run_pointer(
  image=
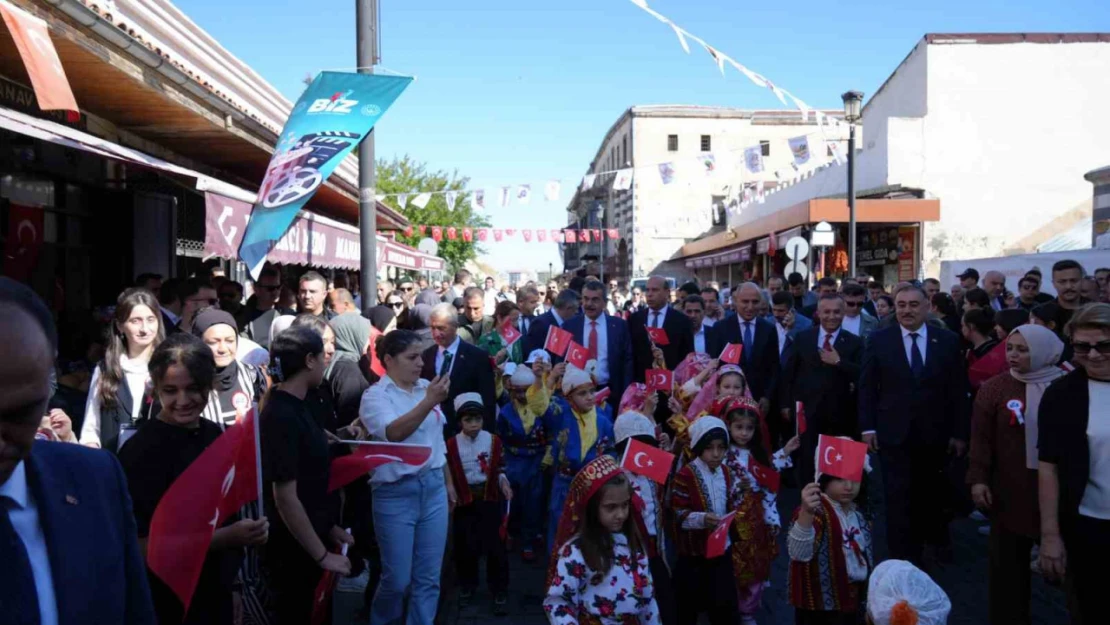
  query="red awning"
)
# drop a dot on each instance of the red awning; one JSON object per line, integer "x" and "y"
{"x": 311, "y": 240}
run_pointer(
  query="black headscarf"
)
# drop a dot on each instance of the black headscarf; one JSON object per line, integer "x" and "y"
{"x": 224, "y": 383}
{"x": 380, "y": 316}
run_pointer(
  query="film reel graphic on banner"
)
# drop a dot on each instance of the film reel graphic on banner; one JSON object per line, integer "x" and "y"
{"x": 296, "y": 173}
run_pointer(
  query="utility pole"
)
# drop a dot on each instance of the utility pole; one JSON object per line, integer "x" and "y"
{"x": 366, "y": 38}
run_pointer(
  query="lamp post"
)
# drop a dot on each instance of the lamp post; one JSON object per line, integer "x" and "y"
{"x": 852, "y": 102}
{"x": 599, "y": 214}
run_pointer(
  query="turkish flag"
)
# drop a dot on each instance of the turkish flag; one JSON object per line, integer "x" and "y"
{"x": 497, "y": 234}
{"x": 577, "y": 355}
{"x": 800, "y": 415}
{"x": 558, "y": 340}
{"x": 322, "y": 598}
{"x": 483, "y": 234}
{"x": 584, "y": 236}
{"x": 437, "y": 233}
{"x": 569, "y": 235}
{"x": 841, "y": 457}
{"x": 541, "y": 235}
{"x": 510, "y": 232}
{"x": 423, "y": 230}
{"x": 527, "y": 234}
{"x": 32, "y": 39}
{"x": 602, "y": 396}
{"x": 614, "y": 233}
{"x": 731, "y": 353}
{"x": 21, "y": 252}
{"x": 767, "y": 477}
{"x": 658, "y": 336}
{"x": 715, "y": 547}
{"x": 371, "y": 455}
{"x": 216, "y": 485}
{"x": 509, "y": 334}
{"x": 408, "y": 231}
{"x": 659, "y": 380}
{"x": 452, "y": 233}
{"x": 597, "y": 235}
{"x": 650, "y": 462}
{"x": 467, "y": 235}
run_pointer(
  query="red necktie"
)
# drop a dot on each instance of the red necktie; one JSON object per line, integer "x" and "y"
{"x": 828, "y": 342}
{"x": 593, "y": 340}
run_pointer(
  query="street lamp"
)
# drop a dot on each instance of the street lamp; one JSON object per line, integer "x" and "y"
{"x": 852, "y": 102}
{"x": 599, "y": 214}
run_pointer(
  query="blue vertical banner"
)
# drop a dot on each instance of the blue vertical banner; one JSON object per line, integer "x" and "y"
{"x": 331, "y": 117}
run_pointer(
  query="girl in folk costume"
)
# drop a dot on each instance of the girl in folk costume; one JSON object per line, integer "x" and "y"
{"x": 753, "y": 496}
{"x": 830, "y": 553}
{"x": 699, "y": 500}
{"x": 600, "y": 573}
{"x": 579, "y": 432}
{"x": 475, "y": 461}
{"x": 723, "y": 383}
{"x": 649, "y": 514}
{"x": 522, "y": 427}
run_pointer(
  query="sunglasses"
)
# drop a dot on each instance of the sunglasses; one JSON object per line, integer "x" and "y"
{"x": 1102, "y": 347}
{"x": 397, "y": 304}
{"x": 853, "y": 304}
{"x": 406, "y": 289}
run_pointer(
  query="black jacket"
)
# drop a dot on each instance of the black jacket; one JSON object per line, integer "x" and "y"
{"x": 762, "y": 366}
{"x": 1062, "y": 440}
{"x": 680, "y": 337}
{"x": 471, "y": 372}
{"x": 828, "y": 392}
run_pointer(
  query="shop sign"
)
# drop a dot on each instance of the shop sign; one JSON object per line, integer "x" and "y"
{"x": 878, "y": 247}
{"x": 907, "y": 238}
{"x": 19, "y": 98}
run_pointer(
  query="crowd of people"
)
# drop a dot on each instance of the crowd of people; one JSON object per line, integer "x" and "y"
{"x": 975, "y": 397}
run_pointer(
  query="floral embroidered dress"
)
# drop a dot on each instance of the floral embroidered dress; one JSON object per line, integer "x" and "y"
{"x": 578, "y": 595}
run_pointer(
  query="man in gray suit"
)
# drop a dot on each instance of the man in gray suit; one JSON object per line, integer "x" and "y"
{"x": 856, "y": 319}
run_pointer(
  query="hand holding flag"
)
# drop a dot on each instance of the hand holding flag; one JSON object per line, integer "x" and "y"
{"x": 841, "y": 457}
{"x": 717, "y": 540}
{"x": 650, "y": 462}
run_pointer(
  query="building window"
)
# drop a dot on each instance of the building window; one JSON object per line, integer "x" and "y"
{"x": 672, "y": 143}
{"x": 765, "y": 148}
{"x": 624, "y": 149}
{"x": 706, "y": 143}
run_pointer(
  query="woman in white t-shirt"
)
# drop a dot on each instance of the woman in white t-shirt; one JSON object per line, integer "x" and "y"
{"x": 120, "y": 393}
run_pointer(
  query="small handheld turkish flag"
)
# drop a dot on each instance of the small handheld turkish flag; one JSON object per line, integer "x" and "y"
{"x": 731, "y": 353}
{"x": 558, "y": 340}
{"x": 509, "y": 333}
{"x": 650, "y": 462}
{"x": 841, "y": 457}
{"x": 602, "y": 396}
{"x": 800, "y": 415}
{"x": 369, "y": 455}
{"x": 658, "y": 336}
{"x": 717, "y": 540}
{"x": 659, "y": 380}
{"x": 577, "y": 355}
{"x": 767, "y": 477}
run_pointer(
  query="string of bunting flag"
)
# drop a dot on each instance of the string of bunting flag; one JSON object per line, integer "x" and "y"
{"x": 497, "y": 235}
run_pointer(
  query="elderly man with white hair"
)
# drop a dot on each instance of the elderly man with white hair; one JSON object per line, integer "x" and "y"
{"x": 759, "y": 357}
{"x": 467, "y": 366}
{"x": 994, "y": 283}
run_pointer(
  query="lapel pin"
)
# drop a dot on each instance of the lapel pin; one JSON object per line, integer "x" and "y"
{"x": 71, "y": 500}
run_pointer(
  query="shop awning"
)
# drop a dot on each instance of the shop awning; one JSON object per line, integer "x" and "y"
{"x": 734, "y": 255}
{"x": 312, "y": 240}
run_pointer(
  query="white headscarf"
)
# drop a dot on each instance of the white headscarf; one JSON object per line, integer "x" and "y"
{"x": 631, "y": 424}
{"x": 703, "y": 426}
{"x": 898, "y": 586}
{"x": 1045, "y": 349}
{"x": 575, "y": 378}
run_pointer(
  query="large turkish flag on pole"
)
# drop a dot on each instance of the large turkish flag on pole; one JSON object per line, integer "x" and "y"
{"x": 32, "y": 39}
{"x": 216, "y": 485}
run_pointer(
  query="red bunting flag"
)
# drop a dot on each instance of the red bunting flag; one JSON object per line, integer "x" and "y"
{"x": 658, "y": 336}
{"x": 717, "y": 540}
{"x": 408, "y": 231}
{"x": 569, "y": 235}
{"x": 577, "y": 355}
{"x": 483, "y": 234}
{"x": 527, "y": 234}
{"x": 452, "y": 233}
{"x": 437, "y": 233}
{"x": 650, "y": 462}
{"x": 423, "y": 230}
{"x": 659, "y": 380}
{"x": 800, "y": 412}
{"x": 541, "y": 235}
{"x": 509, "y": 333}
{"x": 841, "y": 457}
{"x": 497, "y": 234}
{"x": 371, "y": 455}
{"x": 558, "y": 340}
{"x": 510, "y": 232}
{"x": 765, "y": 476}
{"x": 216, "y": 485}
{"x": 597, "y": 235}
{"x": 467, "y": 235}
{"x": 731, "y": 353}
{"x": 557, "y": 236}
{"x": 614, "y": 233}
{"x": 584, "y": 236}
{"x": 602, "y": 396}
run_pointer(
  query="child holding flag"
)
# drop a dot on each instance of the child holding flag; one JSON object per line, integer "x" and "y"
{"x": 477, "y": 467}
{"x": 830, "y": 543}
{"x": 699, "y": 500}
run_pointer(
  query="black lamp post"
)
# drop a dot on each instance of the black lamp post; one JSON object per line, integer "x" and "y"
{"x": 852, "y": 102}
{"x": 599, "y": 214}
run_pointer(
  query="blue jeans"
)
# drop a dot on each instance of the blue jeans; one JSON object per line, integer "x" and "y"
{"x": 410, "y": 519}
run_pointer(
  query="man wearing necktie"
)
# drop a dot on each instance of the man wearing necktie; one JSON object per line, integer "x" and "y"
{"x": 606, "y": 338}
{"x": 759, "y": 358}
{"x": 467, "y": 366}
{"x": 528, "y": 298}
{"x": 914, "y": 410}
{"x": 659, "y": 314}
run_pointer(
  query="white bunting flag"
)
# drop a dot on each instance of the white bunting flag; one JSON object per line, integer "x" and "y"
{"x": 759, "y": 192}
{"x": 403, "y": 200}
{"x": 820, "y": 119}
{"x": 623, "y": 181}
{"x": 681, "y": 38}
{"x": 666, "y": 172}
{"x": 779, "y": 93}
{"x": 835, "y": 147}
{"x": 717, "y": 57}
{"x": 421, "y": 200}
{"x": 799, "y": 147}
{"x": 379, "y": 198}
{"x": 451, "y": 197}
{"x": 588, "y": 181}
{"x": 802, "y": 106}
{"x": 524, "y": 194}
{"x": 759, "y": 81}
{"x": 480, "y": 199}
{"x": 551, "y": 190}
{"x": 753, "y": 159}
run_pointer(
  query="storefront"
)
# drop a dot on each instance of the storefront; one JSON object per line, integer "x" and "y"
{"x": 729, "y": 266}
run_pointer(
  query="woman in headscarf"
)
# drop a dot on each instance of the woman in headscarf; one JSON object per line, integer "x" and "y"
{"x": 237, "y": 385}
{"x": 344, "y": 375}
{"x": 1003, "y": 464}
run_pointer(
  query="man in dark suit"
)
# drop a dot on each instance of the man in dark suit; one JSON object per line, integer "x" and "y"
{"x": 659, "y": 314}
{"x": 822, "y": 371}
{"x": 65, "y": 513}
{"x": 607, "y": 339}
{"x": 528, "y": 299}
{"x": 566, "y": 308}
{"x": 913, "y": 410}
{"x": 467, "y": 365}
{"x": 759, "y": 358}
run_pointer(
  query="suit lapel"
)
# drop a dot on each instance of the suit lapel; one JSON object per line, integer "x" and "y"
{"x": 57, "y": 508}
{"x": 458, "y": 365}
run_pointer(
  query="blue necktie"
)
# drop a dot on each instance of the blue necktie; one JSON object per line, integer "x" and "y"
{"x": 917, "y": 363}
{"x": 19, "y": 603}
{"x": 747, "y": 355}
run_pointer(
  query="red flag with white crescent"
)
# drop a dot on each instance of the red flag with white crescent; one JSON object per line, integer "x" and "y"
{"x": 731, "y": 353}
{"x": 650, "y": 462}
{"x": 719, "y": 538}
{"x": 541, "y": 235}
{"x": 766, "y": 476}
{"x": 558, "y": 340}
{"x": 483, "y": 234}
{"x": 841, "y": 457}
{"x": 658, "y": 336}
{"x": 527, "y": 234}
{"x": 659, "y": 380}
{"x": 577, "y": 355}
{"x": 370, "y": 455}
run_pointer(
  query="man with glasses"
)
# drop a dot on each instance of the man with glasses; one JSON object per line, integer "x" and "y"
{"x": 856, "y": 320}
{"x": 255, "y": 321}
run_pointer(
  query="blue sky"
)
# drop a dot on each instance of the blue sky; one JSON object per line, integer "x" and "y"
{"x": 511, "y": 92}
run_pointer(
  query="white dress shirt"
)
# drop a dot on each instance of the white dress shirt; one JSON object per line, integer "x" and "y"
{"x": 644, "y": 488}
{"x": 453, "y": 350}
{"x": 778, "y": 328}
{"x": 821, "y": 337}
{"x": 602, "y": 345}
{"x": 699, "y": 340}
{"x": 852, "y": 324}
{"x": 922, "y": 341}
{"x": 383, "y": 404}
{"x": 716, "y": 498}
{"x": 136, "y": 375}
{"x": 651, "y": 317}
{"x": 16, "y": 501}
{"x": 471, "y": 452}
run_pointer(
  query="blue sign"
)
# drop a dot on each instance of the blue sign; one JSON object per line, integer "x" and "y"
{"x": 331, "y": 117}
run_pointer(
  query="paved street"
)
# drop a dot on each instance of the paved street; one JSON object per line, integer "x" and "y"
{"x": 965, "y": 581}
